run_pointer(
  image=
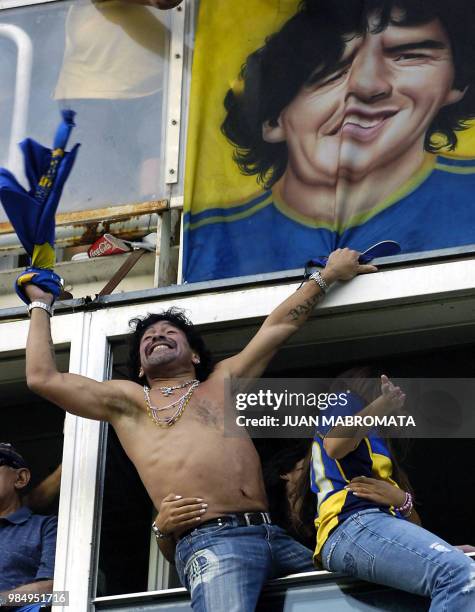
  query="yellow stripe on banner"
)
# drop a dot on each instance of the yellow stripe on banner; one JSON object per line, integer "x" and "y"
{"x": 224, "y": 39}
{"x": 44, "y": 256}
{"x": 408, "y": 187}
{"x": 226, "y": 218}
{"x": 455, "y": 169}
{"x": 289, "y": 212}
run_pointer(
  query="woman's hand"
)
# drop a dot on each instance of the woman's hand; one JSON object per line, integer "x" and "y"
{"x": 393, "y": 396}
{"x": 177, "y": 513}
{"x": 378, "y": 491}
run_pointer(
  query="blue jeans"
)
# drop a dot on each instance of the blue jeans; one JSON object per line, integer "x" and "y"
{"x": 375, "y": 546}
{"x": 225, "y": 567}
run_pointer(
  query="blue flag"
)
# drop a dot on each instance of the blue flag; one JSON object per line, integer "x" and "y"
{"x": 32, "y": 213}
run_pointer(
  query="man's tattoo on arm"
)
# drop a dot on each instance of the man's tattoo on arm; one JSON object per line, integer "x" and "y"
{"x": 305, "y": 308}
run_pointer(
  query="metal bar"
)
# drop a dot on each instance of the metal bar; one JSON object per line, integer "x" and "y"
{"x": 410, "y": 282}
{"x": 176, "y": 198}
{"x": 22, "y": 92}
{"x": 164, "y": 274}
{"x": 316, "y": 577}
{"x": 175, "y": 83}
{"x": 81, "y": 461}
{"x": 96, "y": 215}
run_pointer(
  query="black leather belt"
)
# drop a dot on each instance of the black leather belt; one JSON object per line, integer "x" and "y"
{"x": 238, "y": 519}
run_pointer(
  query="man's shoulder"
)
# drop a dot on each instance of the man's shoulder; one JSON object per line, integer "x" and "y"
{"x": 122, "y": 384}
{"x": 126, "y": 395}
{"x": 47, "y": 521}
{"x": 37, "y": 523}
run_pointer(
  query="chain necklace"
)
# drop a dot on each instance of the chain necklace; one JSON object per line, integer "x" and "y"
{"x": 167, "y": 391}
{"x": 168, "y": 421}
{"x": 147, "y": 390}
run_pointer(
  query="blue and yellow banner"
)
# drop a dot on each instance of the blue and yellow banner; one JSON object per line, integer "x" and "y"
{"x": 32, "y": 212}
{"x": 316, "y": 125}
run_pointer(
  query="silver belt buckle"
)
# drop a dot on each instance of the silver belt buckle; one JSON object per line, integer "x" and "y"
{"x": 264, "y": 515}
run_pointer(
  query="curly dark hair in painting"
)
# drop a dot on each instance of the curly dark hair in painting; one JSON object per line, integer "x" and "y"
{"x": 177, "y": 318}
{"x": 310, "y": 45}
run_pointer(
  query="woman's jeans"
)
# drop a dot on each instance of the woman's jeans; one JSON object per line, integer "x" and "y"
{"x": 225, "y": 567}
{"x": 375, "y": 546}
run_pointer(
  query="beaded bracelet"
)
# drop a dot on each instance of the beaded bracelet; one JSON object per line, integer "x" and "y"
{"x": 407, "y": 506}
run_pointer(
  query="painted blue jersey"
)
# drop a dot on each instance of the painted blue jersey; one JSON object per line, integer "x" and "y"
{"x": 434, "y": 212}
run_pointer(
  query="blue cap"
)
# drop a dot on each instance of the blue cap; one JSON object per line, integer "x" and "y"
{"x": 10, "y": 456}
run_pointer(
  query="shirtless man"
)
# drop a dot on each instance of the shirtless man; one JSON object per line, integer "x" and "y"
{"x": 225, "y": 561}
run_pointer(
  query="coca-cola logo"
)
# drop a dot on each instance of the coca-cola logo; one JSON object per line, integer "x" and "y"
{"x": 101, "y": 247}
{"x": 106, "y": 246}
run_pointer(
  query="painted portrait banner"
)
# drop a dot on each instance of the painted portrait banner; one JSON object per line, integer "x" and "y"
{"x": 325, "y": 124}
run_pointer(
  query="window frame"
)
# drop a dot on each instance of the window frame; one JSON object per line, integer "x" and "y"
{"x": 399, "y": 300}
{"x": 176, "y": 93}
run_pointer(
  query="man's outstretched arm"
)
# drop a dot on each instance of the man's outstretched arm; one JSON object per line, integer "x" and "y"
{"x": 76, "y": 394}
{"x": 289, "y": 316}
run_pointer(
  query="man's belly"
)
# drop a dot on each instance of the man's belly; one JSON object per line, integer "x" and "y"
{"x": 226, "y": 476}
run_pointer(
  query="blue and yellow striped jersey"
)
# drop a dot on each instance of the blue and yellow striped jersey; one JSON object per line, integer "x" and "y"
{"x": 435, "y": 209}
{"x": 329, "y": 477}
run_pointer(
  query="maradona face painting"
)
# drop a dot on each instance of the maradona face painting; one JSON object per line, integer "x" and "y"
{"x": 350, "y": 123}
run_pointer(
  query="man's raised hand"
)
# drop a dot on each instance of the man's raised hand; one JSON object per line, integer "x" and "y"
{"x": 343, "y": 265}
{"x": 36, "y": 294}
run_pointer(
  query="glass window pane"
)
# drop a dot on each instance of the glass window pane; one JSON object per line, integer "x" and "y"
{"x": 108, "y": 61}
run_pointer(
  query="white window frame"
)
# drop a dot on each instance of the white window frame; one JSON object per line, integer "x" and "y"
{"x": 176, "y": 89}
{"x": 404, "y": 300}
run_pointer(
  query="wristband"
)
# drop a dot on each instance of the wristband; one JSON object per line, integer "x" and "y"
{"x": 159, "y": 534}
{"x": 49, "y": 309}
{"x": 318, "y": 278}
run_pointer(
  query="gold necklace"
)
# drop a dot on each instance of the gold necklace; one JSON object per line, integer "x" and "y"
{"x": 169, "y": 421}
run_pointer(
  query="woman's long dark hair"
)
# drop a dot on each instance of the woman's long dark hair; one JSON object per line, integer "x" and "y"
{"x": 298, "y": 521}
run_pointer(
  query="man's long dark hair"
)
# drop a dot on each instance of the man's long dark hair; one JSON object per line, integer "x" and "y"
{"x": 178, "y": 319}
{"x": 309, "y": 45}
